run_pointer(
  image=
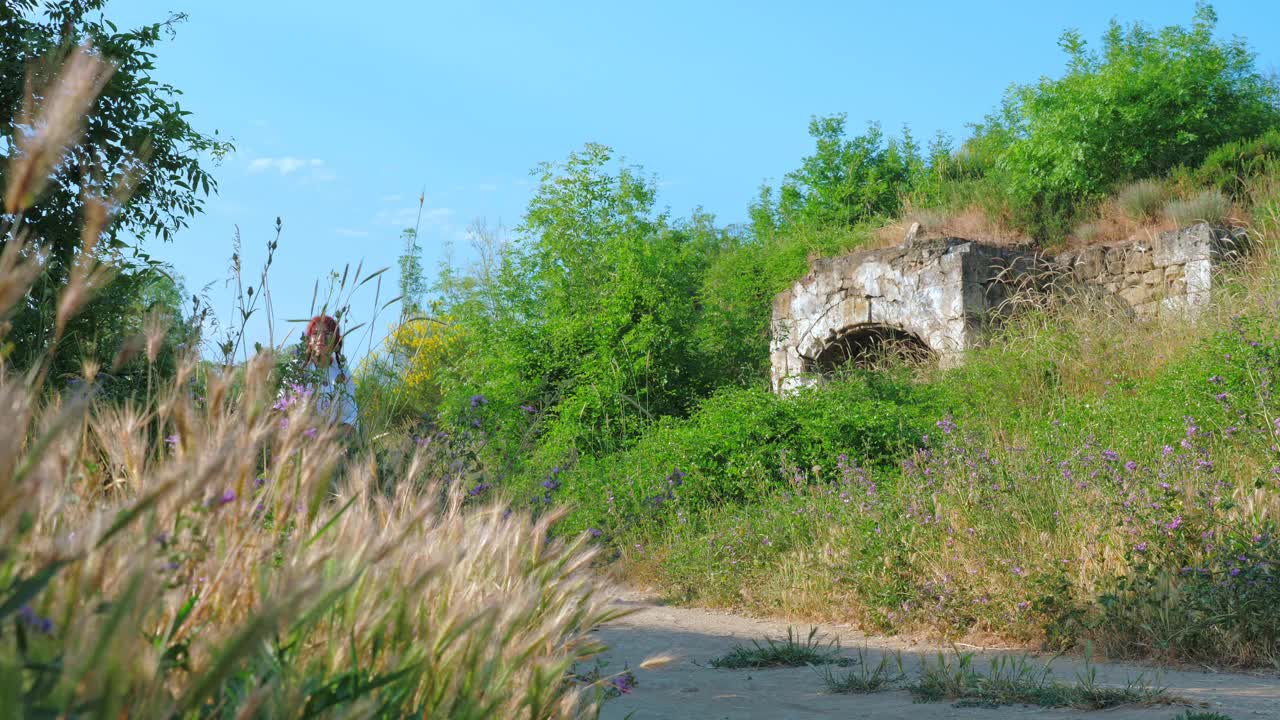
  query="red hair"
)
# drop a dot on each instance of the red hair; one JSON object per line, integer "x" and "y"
{"x": 328, "y": 326}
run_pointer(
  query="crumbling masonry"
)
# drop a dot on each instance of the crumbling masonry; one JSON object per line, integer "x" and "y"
{"x": 936, "y": 297}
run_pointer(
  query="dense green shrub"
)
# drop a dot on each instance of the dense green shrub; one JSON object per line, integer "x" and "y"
{"x": 847, "y": 181}
{"x": 1230, "y": 166}
{"x": 741, "y": 446}
{"x": 588, "y": 317}
{"x": 1146, "y": 102}
{"x": 737, "y": 291}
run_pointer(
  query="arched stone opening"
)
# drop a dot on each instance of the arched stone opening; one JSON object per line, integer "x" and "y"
{"x": 863, "y": 346}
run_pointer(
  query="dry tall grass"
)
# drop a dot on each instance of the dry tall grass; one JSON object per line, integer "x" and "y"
{"x": 215, "y": 552}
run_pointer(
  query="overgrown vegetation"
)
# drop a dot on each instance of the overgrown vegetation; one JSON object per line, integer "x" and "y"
{"x": 209, "y": 550}
{"x": 137, "y": 140}
{"x": 599, "y": 378}
{"x": 1085, "y": 477}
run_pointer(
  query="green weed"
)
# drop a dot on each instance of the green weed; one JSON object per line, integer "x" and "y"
{"x": 1019, "y": 681}
{"x": 792, "y": 652}
{"x": 864, "y": 678}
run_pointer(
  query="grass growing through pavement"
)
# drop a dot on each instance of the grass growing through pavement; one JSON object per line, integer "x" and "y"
{"x": 864, "y": 678}
{"x": 1007, "y": 681}
{"x": 1193, "y": 715}
{"x": 1018, "y": 681}
{"x": 792, "y": 652}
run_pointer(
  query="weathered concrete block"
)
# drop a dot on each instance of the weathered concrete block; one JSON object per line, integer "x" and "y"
{"x": 1179, "y": 247}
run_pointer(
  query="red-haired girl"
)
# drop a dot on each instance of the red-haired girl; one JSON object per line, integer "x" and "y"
{"x": 335, "y": 393}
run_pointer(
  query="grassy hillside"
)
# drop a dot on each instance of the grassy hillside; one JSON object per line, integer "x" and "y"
{"x": 1085, "y": 476}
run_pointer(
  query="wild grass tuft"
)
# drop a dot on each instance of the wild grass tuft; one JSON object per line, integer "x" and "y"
{"x": 1087, "y": 232}
{"x": 1142, "y": 200}
{"x": 1019, "y": 681}
{"x": 1209, "y": 206}
{"x": 864, "y": 678}
{"x": 792, "y": 652}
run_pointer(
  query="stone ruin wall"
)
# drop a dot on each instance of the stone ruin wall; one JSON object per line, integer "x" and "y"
{"x": 1172, "y": 273}
{"x": 943, "y": 293}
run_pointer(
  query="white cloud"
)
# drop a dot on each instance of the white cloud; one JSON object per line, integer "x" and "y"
{"x": 315, "y": 169}
{"x": 282, "y": 165}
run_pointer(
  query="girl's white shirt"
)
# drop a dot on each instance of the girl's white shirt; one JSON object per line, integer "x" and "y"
{"x": 336, "y": 396}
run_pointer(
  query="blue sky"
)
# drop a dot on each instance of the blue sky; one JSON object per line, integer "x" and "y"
{"x": 343, "y": 113}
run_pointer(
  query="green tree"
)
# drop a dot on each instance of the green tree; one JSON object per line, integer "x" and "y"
{"x": 1144, "y": 103}
{"x": 137, "y": 127}
{"x": 589, "y": 315}
{"x": 846, "y": 180}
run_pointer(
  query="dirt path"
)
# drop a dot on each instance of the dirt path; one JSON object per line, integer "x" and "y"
{"x": 688, "y": 688}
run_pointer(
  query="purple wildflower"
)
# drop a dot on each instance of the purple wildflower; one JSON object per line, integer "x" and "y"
{"x": 310, "y": 432}
{"x": 172, "y": 440}
{"x": 624, "y": 683}
{"x": 593, "y": 532}
{"x": 477, "y": 401}
{"x": 1140, "y": 547}
{"x": 35, "y": 621}
{"x": 1131, "y": 466}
